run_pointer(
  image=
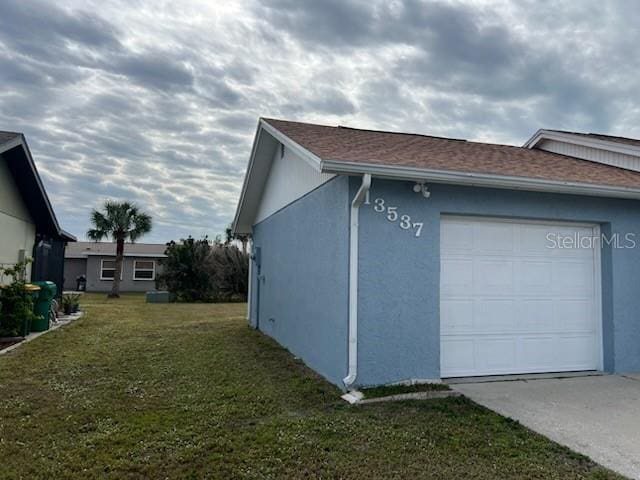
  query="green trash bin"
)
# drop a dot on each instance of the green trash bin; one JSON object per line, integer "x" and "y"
{"x": 42, "y": 305}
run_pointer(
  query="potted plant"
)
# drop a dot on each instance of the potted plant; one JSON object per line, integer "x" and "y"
{"x": 70, "y": 303}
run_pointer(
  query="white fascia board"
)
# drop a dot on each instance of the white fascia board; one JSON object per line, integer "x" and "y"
{"x": 302, "y": 152}
{"x": 479, "y": 179}
{"x": 597, "y": 143}
{"x": 243, "y": 192}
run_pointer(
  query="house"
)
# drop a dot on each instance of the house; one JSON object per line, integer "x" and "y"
{"x": 28, "y": 225}
{"x": 96, "y": 262}
{"x": 382, "y": 257}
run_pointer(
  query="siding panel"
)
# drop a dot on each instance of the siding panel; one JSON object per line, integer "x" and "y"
{"x": 593, "y": 154}
{"x": 290, "y": 178}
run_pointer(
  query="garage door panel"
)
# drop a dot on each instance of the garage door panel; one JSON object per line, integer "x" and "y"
{"x": 457, "y": 237}
{"x": 493, "y": 238}
{"x": 457, "y": 315}
{"x": 457, "y": 355}
{"x": 496, "y": 353}
{"x": 572, "y": 278}
{"x": 511, "y": 304}
{"x": 538, "y": 352}
{"x": 456, "y": 276}
{"x": 533, "y": 277}
{"x": 576, "y": 351}
{"x": 536, "y": 316}
{"x": 492, "y": 276}
{"x": 575, "y": 315}
{"x": 494, "y": 315}
{"x": 533, "y": 240}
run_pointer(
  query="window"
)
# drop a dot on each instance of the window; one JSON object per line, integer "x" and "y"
{"x": 108, "y": 270}
{"x": 144, "y": 270}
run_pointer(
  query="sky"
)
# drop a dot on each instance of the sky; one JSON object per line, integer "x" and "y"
{"x": 157, "y": 102}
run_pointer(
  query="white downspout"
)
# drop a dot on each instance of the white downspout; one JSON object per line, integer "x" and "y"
{"x": 353, "y": 280}
{"x": 249, "y": 288}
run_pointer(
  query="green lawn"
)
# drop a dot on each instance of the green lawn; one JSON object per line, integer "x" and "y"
{"x": 189, "y": 391}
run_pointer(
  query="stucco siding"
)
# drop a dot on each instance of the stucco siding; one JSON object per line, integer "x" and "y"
{"x": 127, "y": 284}
{"x": 399, "y": 294}
{"x": 300, "y": 290}
{"x": 17, "y": 230}
{"x": 73, "y": 268}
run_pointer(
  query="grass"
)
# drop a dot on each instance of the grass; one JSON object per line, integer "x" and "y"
{"x": 135, "y": 390}
{"x": 388, "y": 390}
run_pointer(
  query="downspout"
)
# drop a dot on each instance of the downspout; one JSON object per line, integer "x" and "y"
{"x": 250, "y": 281}
{"x": 352, "y": 346}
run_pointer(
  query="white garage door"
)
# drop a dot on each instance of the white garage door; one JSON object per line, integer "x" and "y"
{"x": 511, "y": 303}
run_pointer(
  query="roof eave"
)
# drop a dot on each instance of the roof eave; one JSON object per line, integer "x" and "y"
{"x": 478, "y": 179}
{"x": 265, "y": 127}
{"x": 20, "y": 141}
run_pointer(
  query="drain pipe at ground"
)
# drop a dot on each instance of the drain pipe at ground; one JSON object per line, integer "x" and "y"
{"x": 352, "y": 346}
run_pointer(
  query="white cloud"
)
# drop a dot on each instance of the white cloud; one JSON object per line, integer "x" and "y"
{"x": 157, "y": 102}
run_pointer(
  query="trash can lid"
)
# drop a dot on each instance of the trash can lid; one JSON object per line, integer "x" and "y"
{"x": 30, "y": 287}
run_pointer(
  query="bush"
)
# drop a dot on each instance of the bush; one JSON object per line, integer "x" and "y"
{"x": 16, "y": 304}
{"x": 199, "y": 271}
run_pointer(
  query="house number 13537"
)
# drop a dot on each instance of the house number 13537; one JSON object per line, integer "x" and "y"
{"x": 404, "y": 221}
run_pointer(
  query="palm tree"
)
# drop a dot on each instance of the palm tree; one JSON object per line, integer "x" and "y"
{"x": 122, "y": 221}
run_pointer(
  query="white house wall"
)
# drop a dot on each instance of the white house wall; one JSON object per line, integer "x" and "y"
{"x": 616, "y": 159}
{"x": 17, "y": 230}
{"x": 290, "y": 178}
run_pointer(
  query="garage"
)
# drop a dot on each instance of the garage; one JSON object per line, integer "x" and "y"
{"x": 518, "y": 297}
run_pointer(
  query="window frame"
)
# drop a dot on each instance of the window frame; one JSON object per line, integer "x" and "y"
{"x": 152, "y": 270}
{"x": 102, "y": 277}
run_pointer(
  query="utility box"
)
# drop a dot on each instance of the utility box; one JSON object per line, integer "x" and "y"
{"x": 158, "y": 297}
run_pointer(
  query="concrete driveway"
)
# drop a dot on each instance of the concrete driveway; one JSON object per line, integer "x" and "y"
{"x": 598, "y": 416}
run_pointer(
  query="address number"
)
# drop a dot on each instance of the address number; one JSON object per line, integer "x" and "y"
{"x": 391, "y": 214}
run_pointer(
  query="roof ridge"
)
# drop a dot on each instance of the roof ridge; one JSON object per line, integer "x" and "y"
{"x": 343, "y": 127}
{"x": 402, "y": 133}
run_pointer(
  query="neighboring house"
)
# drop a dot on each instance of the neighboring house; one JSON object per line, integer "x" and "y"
{"x": 96, "y": 261}
{"x": 384, "y": 257}
{"x": 28, "y": 226}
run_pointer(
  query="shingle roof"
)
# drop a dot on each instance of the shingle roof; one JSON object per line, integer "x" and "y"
{"x": 84, "y": 249}
{"x": 436, "y": 153}
{"x": 6, "y": 136}
{"x": 601, "y": 136}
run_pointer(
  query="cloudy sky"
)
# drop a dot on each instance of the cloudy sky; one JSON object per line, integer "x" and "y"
{"x": 157, "y": 102}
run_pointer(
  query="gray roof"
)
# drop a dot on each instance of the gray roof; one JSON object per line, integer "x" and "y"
{"x": 602, "y": 136}
{"x": 7, "y": 136}
{"x": 86, "y": 249}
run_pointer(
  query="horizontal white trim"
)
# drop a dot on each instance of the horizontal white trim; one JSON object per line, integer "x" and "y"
{"x": 478, "y": 179}
{"x": 598, "y": 143}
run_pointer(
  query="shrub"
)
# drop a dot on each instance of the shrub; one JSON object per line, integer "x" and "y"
{"x": 199, "y": 271}
{"x": 187, "y": 270}
{"x": 16, "y": 304}
{"x": 230, "y": 270}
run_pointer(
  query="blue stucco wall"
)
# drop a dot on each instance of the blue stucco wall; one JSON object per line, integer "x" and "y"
{"x": 301, "y": 297}
{"x": 399, "y": 274}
